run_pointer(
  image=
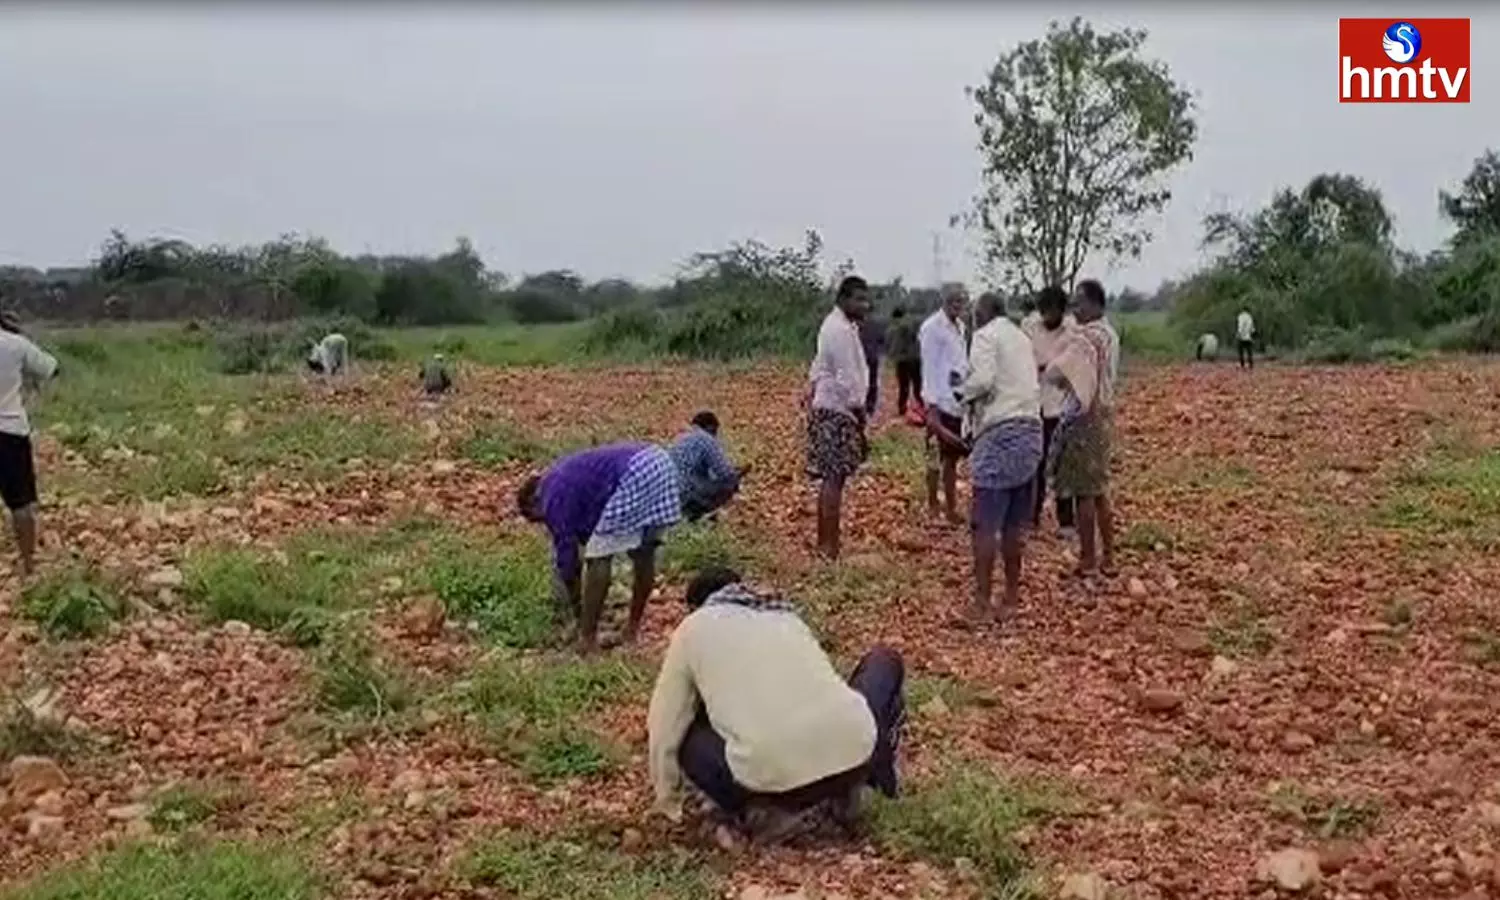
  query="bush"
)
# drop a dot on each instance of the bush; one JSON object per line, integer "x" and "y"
{"x": 250, "y": 350}
{"x": 633, "y": 326}
{"x": 77, "y": 602}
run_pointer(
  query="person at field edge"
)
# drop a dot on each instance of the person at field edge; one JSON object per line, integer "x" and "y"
{"x": 750, "y": 709}
{"x": 709, "y": 479}
{"x": 330, "y": 355}
{"x": 603, "y": 502}
{"x": 945, "y": 360}
{"x": 872, "y": 336}
{"x": 1005, "y": 402}
{"x": 906, "y": 357}
{"x": 837, "y": 391}
{"x": 1079, "y": 460}
{"x": 1208, "y": 347}
{"x": 1244, "y": 330}
{"x": 1048, "y": 328}
{"x": 435, "y": 377}
{"x": 22, "y": 364}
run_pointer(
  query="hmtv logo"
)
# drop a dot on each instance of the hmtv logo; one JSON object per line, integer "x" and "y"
{"x": 1404, "y": 61}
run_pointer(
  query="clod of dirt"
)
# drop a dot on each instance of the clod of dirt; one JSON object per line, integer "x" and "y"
{"x": 1084, "y": 886}
{"x": 935, "y": 708}
{"x": 425, "y": 616}
{"x": 1292, "y": 869}
{"x": 1296, "y": 742}
{"x": 165, "y": 577}
{"x": 50, "y": 804}
{"x": 31, "y": 776}
{"x": 1137, "y": 588}
{"x": 1222, "y": 667}
{"x": 631, "y": 840}
{"x": 1160, "y": 700}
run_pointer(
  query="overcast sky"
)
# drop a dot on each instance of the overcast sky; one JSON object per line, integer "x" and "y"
{"x": 618, "y": 140}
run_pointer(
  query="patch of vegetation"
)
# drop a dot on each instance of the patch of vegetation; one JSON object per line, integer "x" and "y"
{"x": 78, "y": 601}
{"x": 495, "y": 444}
{"x": 508, "y": 591}
{"x": 533, "y": 709}
{"x": 898, "y": 451}
{"x": 354, "y": 681}
{"x": 1449, "y": 496}
{"x": 698, "y": 545}
{"x": 1328, "y": 817}
{"x": 185, "y": 805}
{"x": 1483, "y": 646}
{"x": 1193, "y": 764}
{"x": 1148, "y": 536}
{"x": 293, "y": 596}
{"x": 923, "y": 689}
{"x": 967, "y": 812}
{"x": 217, "y": 871}
{"x": 531, "y": 868}
{"x": 1242, "y": 630}
{"x": 24, "y": 733}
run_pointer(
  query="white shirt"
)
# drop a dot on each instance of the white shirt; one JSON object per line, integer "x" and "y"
{"x": 943, "y": 354}
{"x": 20, "y": 360}
{"x": 1208, "y": 344}
{"x": 331, "y": 351}
{"x": 1044, "y": 345}
{"x": 1245, "y": 326}
{"x": 1002, "y": 380}
{"x": 1114, "y": 351}
{"x": 786, "y": 717}
{"x": 839, "y": 375}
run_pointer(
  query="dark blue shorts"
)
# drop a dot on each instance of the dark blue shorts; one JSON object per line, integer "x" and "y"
{"x": 1003, "y": 509}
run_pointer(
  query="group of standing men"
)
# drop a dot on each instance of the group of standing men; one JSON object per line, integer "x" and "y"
{"x": 1027, "y": 405}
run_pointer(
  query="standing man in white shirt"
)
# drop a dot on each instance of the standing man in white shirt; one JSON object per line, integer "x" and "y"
{"x": 1244, "y": 329}
{"x": 945, "y": 362}
{"x": 1005, "y": 394}
{"x": 21, "y": 362}
{"x": 1048, "y": 329}
{"x": 838, "y": 388}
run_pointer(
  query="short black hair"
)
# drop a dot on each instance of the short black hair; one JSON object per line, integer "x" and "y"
{"x": 989, "y": 301}
{"x": 1052, "y": 297}
{"x": 526, "y": 496}
{"x": 707, "y": 421}
{"x": 1093, "y": 290}
{"x": 899, "y": 312}
{"x": 707, "y": 582}
{"x": 851, "y": 284}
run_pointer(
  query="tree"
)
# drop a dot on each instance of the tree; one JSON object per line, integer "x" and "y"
{"x": 1078, "y": 133}
{"x": 1475, "y": 208}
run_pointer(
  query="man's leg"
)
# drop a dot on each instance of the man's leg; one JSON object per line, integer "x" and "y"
{"x": 1106, "y": 516}
{"x": 880, "y": 678}
{"x": 23, "y": 525}
{"x": 985, "y": 542}
{"x": 950, "y": 488}
{"x": 643, "y": 579}
{"x": 701, "y": 758}
{"x": 1013, "y": 543}
{"x": 872, "y": 394}
{"x": 903, "y": 387}
{"x": 1049, "y": 425}
{"x": 596, "y": 575}
{"x": 1088, "y": 559}
{"x": 830, "y": 508}
{"x": 932, "y": 452}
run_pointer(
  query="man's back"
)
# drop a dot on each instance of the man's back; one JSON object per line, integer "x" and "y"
{"x": 20, "y": 360}
{"x": 786, "y": 716}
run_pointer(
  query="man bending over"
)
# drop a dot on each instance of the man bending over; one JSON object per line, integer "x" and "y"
{"x": 709, "y": 479}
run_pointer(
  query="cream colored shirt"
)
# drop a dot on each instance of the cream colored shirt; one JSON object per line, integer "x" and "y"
{"x": 786, "y": 716}
{"x": 839, "y": 374}
{"x": 1002, "y": 382}
{"x": 1244, "y": 326}
{"x": 20, "y": 361}
{"x": 1044, "y": 345}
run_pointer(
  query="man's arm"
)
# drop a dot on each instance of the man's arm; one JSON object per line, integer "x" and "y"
{"x": 720, "y": 469}
{"x": 37, "y": 363}
{"x": 852, "y": 371}
{"x": 674, "y": 703}
{"x": 980, "y": 382}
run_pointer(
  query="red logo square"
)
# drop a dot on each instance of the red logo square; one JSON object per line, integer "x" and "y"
{"x": 1404, "y": 61}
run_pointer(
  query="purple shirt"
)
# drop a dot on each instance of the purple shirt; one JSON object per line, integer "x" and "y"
{"x": 574, "y": 491}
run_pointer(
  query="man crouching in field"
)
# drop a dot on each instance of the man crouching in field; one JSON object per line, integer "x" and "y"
{"x": 609, "y": 500}
{"x": 21, "y": 362}
{"x": 330, "y": 355}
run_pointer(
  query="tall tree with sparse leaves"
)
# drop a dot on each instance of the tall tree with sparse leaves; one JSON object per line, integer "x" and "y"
{"x": 1475, "y": 207}
{"x": 1078, "y": 132}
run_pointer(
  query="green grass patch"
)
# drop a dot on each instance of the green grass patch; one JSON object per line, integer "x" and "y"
{"x": 1146, "y": 537}
{"x": 527, "y": 867}
{"x": 218, "y": 871}
{"x": 898, "y": 451}
{"x": 1450, "y": 496}
{"x": 694, "y": 546}
{"x": 1329, "y": 817}
{"x": 353, "y": 680}
{"x": 923, "y": 690}
{"x": 24, "y": 733}
{"x": 78, "y": 601}
{"x": 1482, "y": 647}
{"x": 495, "y": 444}
{"x": 183, "y": 806}
{"x": 1241, "y": 630}
{"x": 533, "y": 710}
{"x": 967, "y": 812}
{"x": 506, "y": 590}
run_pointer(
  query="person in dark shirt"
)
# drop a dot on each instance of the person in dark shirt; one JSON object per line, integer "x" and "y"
{"x": 907, "y": 357}
{"x": 872, "y": 338}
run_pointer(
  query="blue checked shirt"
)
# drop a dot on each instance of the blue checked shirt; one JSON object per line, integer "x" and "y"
{"x": 700, "y": 458}
{"x": 649, "y": 495}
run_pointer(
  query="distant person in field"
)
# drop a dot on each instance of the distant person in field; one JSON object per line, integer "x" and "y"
{"x": 435, "y": 377}
{"x": 1048, "y": 328}
{"x": 1244, "y": 330}
{"x": 1208, "y": 348}
{"x": 1004, "y": 397}
{"x": 906, "y": 357}
{"x": 709, "y": 479}
{"x": 1083, "y": 441}
{"x": 751, "y": 710}
{"x": 872, "y": 337}
{"x": 330, "y": 356}
{"x": 837, "y": 394}
{"x": 23, "y": 365}
{"x": 945, "y": 361}
{"x": 600, "y": 503}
